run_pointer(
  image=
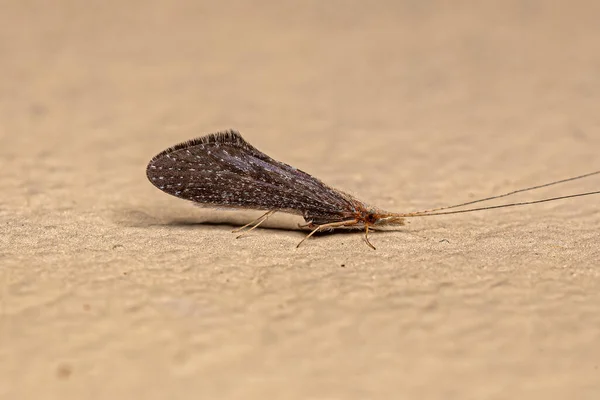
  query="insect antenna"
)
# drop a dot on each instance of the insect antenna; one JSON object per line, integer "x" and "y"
{"x": 434, "y": 211}
{"x": 523, "y": 203}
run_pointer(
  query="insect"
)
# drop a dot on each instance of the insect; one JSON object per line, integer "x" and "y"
{"x": 223, "y": 170}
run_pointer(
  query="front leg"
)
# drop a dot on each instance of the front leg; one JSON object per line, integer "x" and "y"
{"x": 367, "y": 227}
{"x": 331, "y": 225}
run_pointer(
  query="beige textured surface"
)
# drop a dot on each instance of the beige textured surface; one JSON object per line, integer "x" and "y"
{"x": 111, "y": 289}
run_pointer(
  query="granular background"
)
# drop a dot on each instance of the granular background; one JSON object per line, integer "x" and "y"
{"x": 111, "y": 289}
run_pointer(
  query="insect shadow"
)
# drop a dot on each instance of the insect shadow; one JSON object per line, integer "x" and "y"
{"x": 282, "y": 224}
{"x": 285, "y": 225}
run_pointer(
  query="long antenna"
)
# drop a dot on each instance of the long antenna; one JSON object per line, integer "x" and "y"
{"x": 419, "y": 213}
{"x": 409, "y": 215}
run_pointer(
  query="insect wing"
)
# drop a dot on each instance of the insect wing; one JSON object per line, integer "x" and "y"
{"x": 222, "y": 170}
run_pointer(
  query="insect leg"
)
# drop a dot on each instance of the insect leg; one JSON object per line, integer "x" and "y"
{"x": 328, "y": 226}
{"x": 367, "y": 237}
{"x": 256, "y": 223}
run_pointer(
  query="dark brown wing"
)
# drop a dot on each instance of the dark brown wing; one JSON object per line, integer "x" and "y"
{"x": 223, "y": 170}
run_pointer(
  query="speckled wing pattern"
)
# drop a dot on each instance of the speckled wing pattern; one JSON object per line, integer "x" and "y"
{"x": 223, "y": 170}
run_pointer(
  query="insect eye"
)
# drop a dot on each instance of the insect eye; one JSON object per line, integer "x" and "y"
{"x": 371, "y": 217}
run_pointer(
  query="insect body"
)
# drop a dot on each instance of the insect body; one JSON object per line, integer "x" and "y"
{"x": 223, "y": 170}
